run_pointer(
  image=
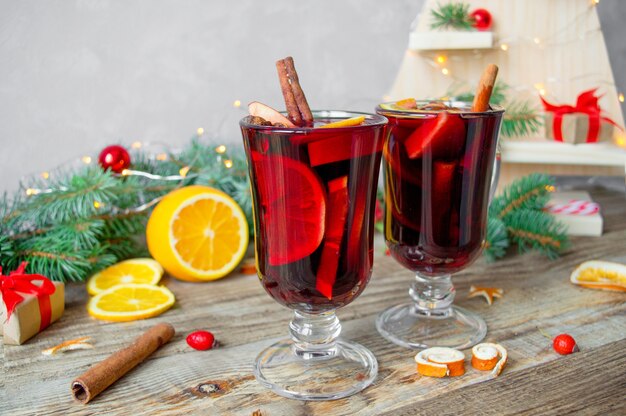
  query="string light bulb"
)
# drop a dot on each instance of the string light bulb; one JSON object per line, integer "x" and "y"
{"x": 184, "y": 171}
{"x": 46, "y": 175}
{"x": 86, "y": 159}
{"x": 228, "y": 163}
{"x": 445, "y": 71}
{"x": 237, "y": 104}
{"x": 504, "y": 47}
{"x": 31, "y": 191}
{"x": 136, "y": 145}
{"x": 620, "y": 97}
{"x": 200, "y": 131}
{"x": 161, "y": 156}
{"x": 125, "y": 172}
{"x": 537, "y": 41}
{"x": 595, "y": 2}
{"x": 441, "y": 59}
{"x": 220, "y": 149}
{"x": 97, "y": 205}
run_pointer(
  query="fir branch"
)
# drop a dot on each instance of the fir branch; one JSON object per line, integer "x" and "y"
{"x": 529, "y": 192}
{"x": 498, "y": 94}
{"x": 451, "y": 16}
{"x": 520, "y": 119}
{"x": 537, "y": 230}
{"x": 496, "y": 241}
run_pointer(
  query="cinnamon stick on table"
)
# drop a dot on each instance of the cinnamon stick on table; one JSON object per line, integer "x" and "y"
{"x": 297, "y": 106}
{"x": 102, "y": 375}
{"x": 485, "y": 87}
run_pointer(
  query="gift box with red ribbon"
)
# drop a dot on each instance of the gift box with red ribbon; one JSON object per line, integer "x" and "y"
{"x": 30, "y": 302}
{"x": 581, "y": 123}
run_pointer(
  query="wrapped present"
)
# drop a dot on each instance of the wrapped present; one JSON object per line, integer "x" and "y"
{"x": 30, "y": 302}
{"x": 575, "y": 129}
{"x": 582, "y": 123}
{"x": 577, "y": 211}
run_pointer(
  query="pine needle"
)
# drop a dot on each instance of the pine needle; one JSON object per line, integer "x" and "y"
{"x": 538, "y": 230}
{"x": 529, "y": 192}
{"x": 451, "y": 16}
{"x": 497, "y": 240}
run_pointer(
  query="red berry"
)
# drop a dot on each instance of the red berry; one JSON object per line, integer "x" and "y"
{"x": 481, "y": 19}
{"x": 564, "y": 344}
{"x": 201, "y": 340}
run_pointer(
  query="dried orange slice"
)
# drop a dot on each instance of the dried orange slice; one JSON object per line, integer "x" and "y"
{"x": 349, "y": 122}
{"x": 488, "y": 356}
{"x": 597, "y": 274}
{"x": 197, "y": 233}
{"x": 440, "y": 362}
{"x": 130, "y": 301}
{"x": 128, "y": 271}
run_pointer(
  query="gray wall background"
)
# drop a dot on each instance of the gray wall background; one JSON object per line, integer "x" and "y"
{"x": 78, "y": 75}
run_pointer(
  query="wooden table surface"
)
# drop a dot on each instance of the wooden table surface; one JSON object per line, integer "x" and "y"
{"x": 179, "y": 380}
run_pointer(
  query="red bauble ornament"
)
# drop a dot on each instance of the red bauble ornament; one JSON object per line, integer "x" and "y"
{"x": 482, "y": 19}
{"x": 115, "y": 158}
{"x": 564, "y": 344}
{"x": 201, "y": 340}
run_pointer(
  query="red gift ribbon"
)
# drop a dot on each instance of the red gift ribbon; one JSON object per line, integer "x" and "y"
{"x": 19, "y": 281}
{"x": 586, "y": 103}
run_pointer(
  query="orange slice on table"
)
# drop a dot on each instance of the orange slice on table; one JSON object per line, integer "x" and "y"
{"x": 488, "y": 356}
{"x": 197, "y": 233}
{"x": 597, "y": 274}
{"x": 128, "y": 271}
{"x": 440, "y": 362}
{"x": 130, "y": 301}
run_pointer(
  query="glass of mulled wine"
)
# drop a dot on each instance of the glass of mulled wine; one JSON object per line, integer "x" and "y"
{"x": 313, "y": 191}
{"x": 438, "y": 167}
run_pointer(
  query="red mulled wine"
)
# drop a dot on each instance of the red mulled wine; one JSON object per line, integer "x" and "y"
{"x": 437, "y": 168}
{"x": 314, "y": 195}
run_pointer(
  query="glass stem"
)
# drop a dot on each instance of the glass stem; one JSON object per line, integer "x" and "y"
{"x": 314, "y": 334}
{"x": 433, "y": 296}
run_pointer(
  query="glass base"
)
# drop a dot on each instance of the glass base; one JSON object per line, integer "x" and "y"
{"x": 328, "y": 374}
{"x": 411, "y": 327}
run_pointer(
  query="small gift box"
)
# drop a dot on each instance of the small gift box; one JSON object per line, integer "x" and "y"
{"x": 577, "y": 211}
{"x": 30, "y": 302}
{"x": 582, "y": 123}
{"x": 575, "y": 129}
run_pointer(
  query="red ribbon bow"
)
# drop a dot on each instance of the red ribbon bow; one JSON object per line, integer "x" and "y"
{"x": 586, "y": 103}
{"x": 19, "y": 281}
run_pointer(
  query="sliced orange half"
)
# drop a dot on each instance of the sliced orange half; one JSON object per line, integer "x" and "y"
{"x": 349, "y": 122}
{"x": 597, "y": 274}
{"x": 130, "y": 301}
{"x": 128, "y": 271}
{"x": 197, "y": 233}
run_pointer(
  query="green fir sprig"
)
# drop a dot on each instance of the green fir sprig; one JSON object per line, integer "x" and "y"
{"x": 89, "y": 218}
{"x": 453, "y": 15}
{"x": 517, "y": 215}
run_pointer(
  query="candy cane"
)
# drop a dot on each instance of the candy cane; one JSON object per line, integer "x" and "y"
{"x": 575, "y": 207}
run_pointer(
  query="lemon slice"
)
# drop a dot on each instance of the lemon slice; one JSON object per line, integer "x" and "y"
{"x": 197, "y": 233}
{"x": 597, "y": 274}
{"x": 130, "y": 301}
{"x": 128, "y": 271}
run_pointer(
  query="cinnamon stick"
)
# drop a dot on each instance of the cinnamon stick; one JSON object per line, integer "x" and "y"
{"x": 485, "y": 87}
{"x": 290, "y": 100}
{"x": 102, "y": 375}
{"x": 303, "y": 105}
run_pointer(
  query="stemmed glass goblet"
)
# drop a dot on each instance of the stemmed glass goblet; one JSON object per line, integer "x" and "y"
{"x": 313, "y": 192}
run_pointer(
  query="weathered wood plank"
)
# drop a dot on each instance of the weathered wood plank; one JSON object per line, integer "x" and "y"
{"x": 586, "y": 383}
{"x": 245, "y": 319}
